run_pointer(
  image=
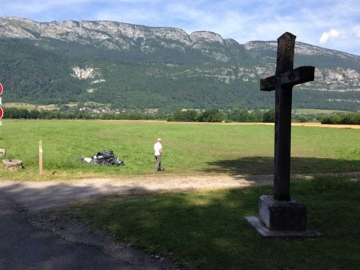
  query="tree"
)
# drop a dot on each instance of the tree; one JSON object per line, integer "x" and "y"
{"x": 269, "y": 116}
{"x": 211, "y": 115}
{"x": 184, "y": 116}
{"x": 245, "y": 116}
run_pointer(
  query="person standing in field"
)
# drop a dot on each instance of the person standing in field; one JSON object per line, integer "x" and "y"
{"x": 158, "y": 155}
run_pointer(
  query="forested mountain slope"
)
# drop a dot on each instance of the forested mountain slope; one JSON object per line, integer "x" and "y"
{"x": 139, "y": 67}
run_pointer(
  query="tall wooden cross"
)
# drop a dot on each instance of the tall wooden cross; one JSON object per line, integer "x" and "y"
{"x": 282, "y": 82}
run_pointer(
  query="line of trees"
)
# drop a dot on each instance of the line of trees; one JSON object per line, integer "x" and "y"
{"x": 209, "y": 115}
{"x": 215, "y": 115}
{"x": 16, "y": 113}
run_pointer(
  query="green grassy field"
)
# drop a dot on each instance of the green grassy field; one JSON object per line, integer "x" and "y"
{"x": 188, "y": 148}
{"x": 204, "y": 228}
{"x": 316, "y": 111}
{"x": 29, "y": 107}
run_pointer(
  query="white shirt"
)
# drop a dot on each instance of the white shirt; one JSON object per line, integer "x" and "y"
{"x": 157, "y": 149}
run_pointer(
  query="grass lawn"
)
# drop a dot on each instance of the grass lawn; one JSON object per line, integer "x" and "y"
{"x": 188, "y": 148}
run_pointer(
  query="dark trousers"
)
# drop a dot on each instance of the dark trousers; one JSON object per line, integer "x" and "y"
{"x": 158, "y": 163}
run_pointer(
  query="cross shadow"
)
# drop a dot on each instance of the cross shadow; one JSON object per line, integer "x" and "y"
{"x": 265, "y": 165}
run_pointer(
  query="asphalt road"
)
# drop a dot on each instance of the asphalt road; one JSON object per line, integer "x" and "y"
{"x": 24, "y": 246}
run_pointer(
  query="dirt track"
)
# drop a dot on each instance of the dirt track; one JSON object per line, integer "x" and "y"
{"x": 325, "y": 125}
{"x": 38, "y": 196}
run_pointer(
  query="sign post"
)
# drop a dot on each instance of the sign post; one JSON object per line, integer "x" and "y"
{"x": 1, "y": 109}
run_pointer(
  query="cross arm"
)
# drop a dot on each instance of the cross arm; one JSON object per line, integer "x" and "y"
{"x": 290, "y": 78}
{"x": 267, "y": 84}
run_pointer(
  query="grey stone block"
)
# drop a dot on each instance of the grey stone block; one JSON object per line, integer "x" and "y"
{"x": 282, "y": 215}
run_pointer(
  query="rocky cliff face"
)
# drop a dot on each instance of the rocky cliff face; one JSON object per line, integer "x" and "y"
{"x": 113, "y": 35}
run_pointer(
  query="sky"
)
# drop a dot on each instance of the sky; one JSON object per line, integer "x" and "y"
{"x": 331, "y": 24}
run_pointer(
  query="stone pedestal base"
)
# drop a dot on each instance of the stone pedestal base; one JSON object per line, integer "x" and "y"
{"x": 281, "y": 218}
{"x": 12, "y": 164}
{"x": 282, "y": 215}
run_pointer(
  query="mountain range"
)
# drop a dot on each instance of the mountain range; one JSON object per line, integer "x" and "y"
{"x": 131, "y": 67}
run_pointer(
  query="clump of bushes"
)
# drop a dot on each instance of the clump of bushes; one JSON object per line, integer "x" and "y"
{"x": 342, "y": 119}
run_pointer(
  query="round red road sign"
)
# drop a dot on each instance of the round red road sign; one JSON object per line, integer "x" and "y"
{"x": 1, "y": 112}
{"x": 1, "y": 88}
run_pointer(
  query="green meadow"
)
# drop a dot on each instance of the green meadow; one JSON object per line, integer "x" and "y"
{"x": 217, "y": 148}
{"x": 205, "y": 229}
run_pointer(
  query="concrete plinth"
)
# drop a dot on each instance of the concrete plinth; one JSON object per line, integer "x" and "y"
{"x": 282, "y": 215}
{"x": 281, "y": 218}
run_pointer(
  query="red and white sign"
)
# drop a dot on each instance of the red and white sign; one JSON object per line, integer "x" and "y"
{"x": 1, "y": 109}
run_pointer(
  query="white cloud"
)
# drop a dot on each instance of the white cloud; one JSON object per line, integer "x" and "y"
{"x": 356, "y": 31}
{"x": 328, "y": 36}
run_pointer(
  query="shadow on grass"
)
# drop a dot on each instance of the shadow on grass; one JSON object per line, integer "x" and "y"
{"x": 265, "y": 165}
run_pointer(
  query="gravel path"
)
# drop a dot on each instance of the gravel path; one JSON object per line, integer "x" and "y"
{"x": 38, "y": 196}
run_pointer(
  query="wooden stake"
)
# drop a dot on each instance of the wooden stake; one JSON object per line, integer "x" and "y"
{"x": 40, "y": 158}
